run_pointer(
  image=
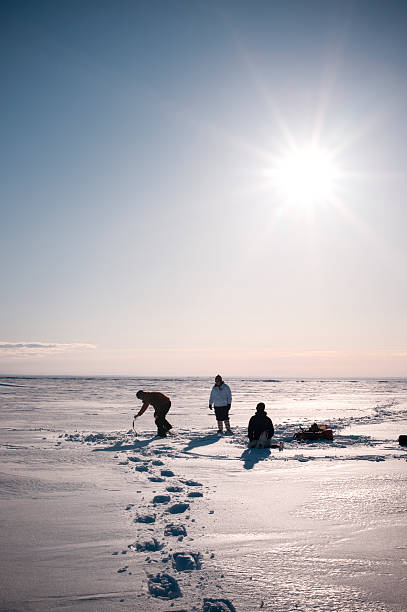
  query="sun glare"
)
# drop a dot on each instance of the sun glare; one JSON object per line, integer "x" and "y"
{"x": 305, "y": 176}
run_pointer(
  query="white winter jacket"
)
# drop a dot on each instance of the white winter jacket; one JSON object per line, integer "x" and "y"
{"x": 220, "y": 396}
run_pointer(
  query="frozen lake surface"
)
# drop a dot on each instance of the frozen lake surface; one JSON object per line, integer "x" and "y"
{"x": 96, "y": 518}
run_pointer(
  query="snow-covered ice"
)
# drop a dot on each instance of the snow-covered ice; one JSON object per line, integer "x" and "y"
{"x": 206, "y": 524}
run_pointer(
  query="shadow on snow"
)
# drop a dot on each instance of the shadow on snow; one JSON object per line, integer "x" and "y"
{"x": 209, "y": 439}
{"x": 251, "y": 456}
{"x": 120, "y": 446}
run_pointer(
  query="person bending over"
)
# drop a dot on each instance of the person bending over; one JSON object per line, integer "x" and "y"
{"x": 261, "y": 429}
{"x": 161, "y": 404}
{"x": 221, "y": 399}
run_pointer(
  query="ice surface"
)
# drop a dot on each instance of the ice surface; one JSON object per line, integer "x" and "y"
{"x": 318, "y": 526}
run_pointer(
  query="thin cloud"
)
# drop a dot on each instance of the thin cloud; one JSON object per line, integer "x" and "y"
{"x": 32, "y": 349}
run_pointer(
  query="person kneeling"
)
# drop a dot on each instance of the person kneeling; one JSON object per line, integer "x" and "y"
{"x": 261, "y": 429}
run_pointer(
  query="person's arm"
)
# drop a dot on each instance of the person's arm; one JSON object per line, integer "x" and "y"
{"x": 211, "y": 399}
{"x": 142, "y": 409}
{"x": 250, "y": 432}
{"x": 271, "y": 428}
{"x": 228, "y": 396}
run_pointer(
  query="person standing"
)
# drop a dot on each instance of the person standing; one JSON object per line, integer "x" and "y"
{"x": 261, "y": 428}
{"x": 221, "y": 400}
{"x": 161, "y": 404}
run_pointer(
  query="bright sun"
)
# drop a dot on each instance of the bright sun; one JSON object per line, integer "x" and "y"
{"x": 305, "y": 176}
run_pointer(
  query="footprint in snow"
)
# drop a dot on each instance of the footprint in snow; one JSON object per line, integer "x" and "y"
{"x": 218, "y": 605}
{"x": 195, "y": 494}
{"x": 142, "y": 468}
{"x": 158, "y": 462}
{"x": 145, "y": 518}
{"x": 183, "y": 561}
{"x": 164, "y": 586}
{"x": 148, "y": 545}
{"x": 192, "y": 483}
{"x": 163, "y": 450}
{"x": 161, "y": 499}
{"x": 167, "y": 473}
{"x": 178, "y": 508}
{"x": 175, "y": 489}
{"x": 156, "y": 479}
{"x": 175, "y": 530}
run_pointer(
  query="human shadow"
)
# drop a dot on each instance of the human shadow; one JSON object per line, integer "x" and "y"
{"x": 209, "y": 439}
{"x": 251, "y": 456}
{"x": 120, "y": 446}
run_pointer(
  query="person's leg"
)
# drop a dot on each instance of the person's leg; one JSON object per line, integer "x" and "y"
{"x": 167, "y": 425}
{"x": 226, "y": 419}
{"x": 222, "y": 416}
{"x": 253, "y": 443}
{"x": 264, "y": 440}
{"x": 159, "y": 421}
{"x": 219, "y": 413}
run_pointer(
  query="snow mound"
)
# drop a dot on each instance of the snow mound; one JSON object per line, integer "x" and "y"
{"x": 94, "y": 437}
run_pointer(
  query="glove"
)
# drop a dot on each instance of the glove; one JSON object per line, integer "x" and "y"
{"x": 229, "y": 405}
{"x": 210, "y": 407}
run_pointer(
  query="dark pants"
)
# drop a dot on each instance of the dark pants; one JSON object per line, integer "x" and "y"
{"x": 159, "y": 415}
{"x": 222, "y": 413}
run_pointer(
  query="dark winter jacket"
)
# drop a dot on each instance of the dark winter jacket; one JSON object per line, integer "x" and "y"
{"x": 258, "y": 423}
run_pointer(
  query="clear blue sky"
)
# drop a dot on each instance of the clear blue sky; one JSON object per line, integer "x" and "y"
{"x": 138, "y": 232}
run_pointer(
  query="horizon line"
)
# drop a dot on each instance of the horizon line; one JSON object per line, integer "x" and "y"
{"x": 171, "y": 376}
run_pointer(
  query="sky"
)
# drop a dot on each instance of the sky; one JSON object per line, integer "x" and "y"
{"x": 145, "y": 227}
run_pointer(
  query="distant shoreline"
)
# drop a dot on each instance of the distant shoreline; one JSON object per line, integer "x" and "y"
{"x": 299, "y": 379}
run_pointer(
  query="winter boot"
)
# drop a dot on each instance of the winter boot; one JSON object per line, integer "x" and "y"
{"x": 220, "y": 427}
{"x": 227, "y": 425}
